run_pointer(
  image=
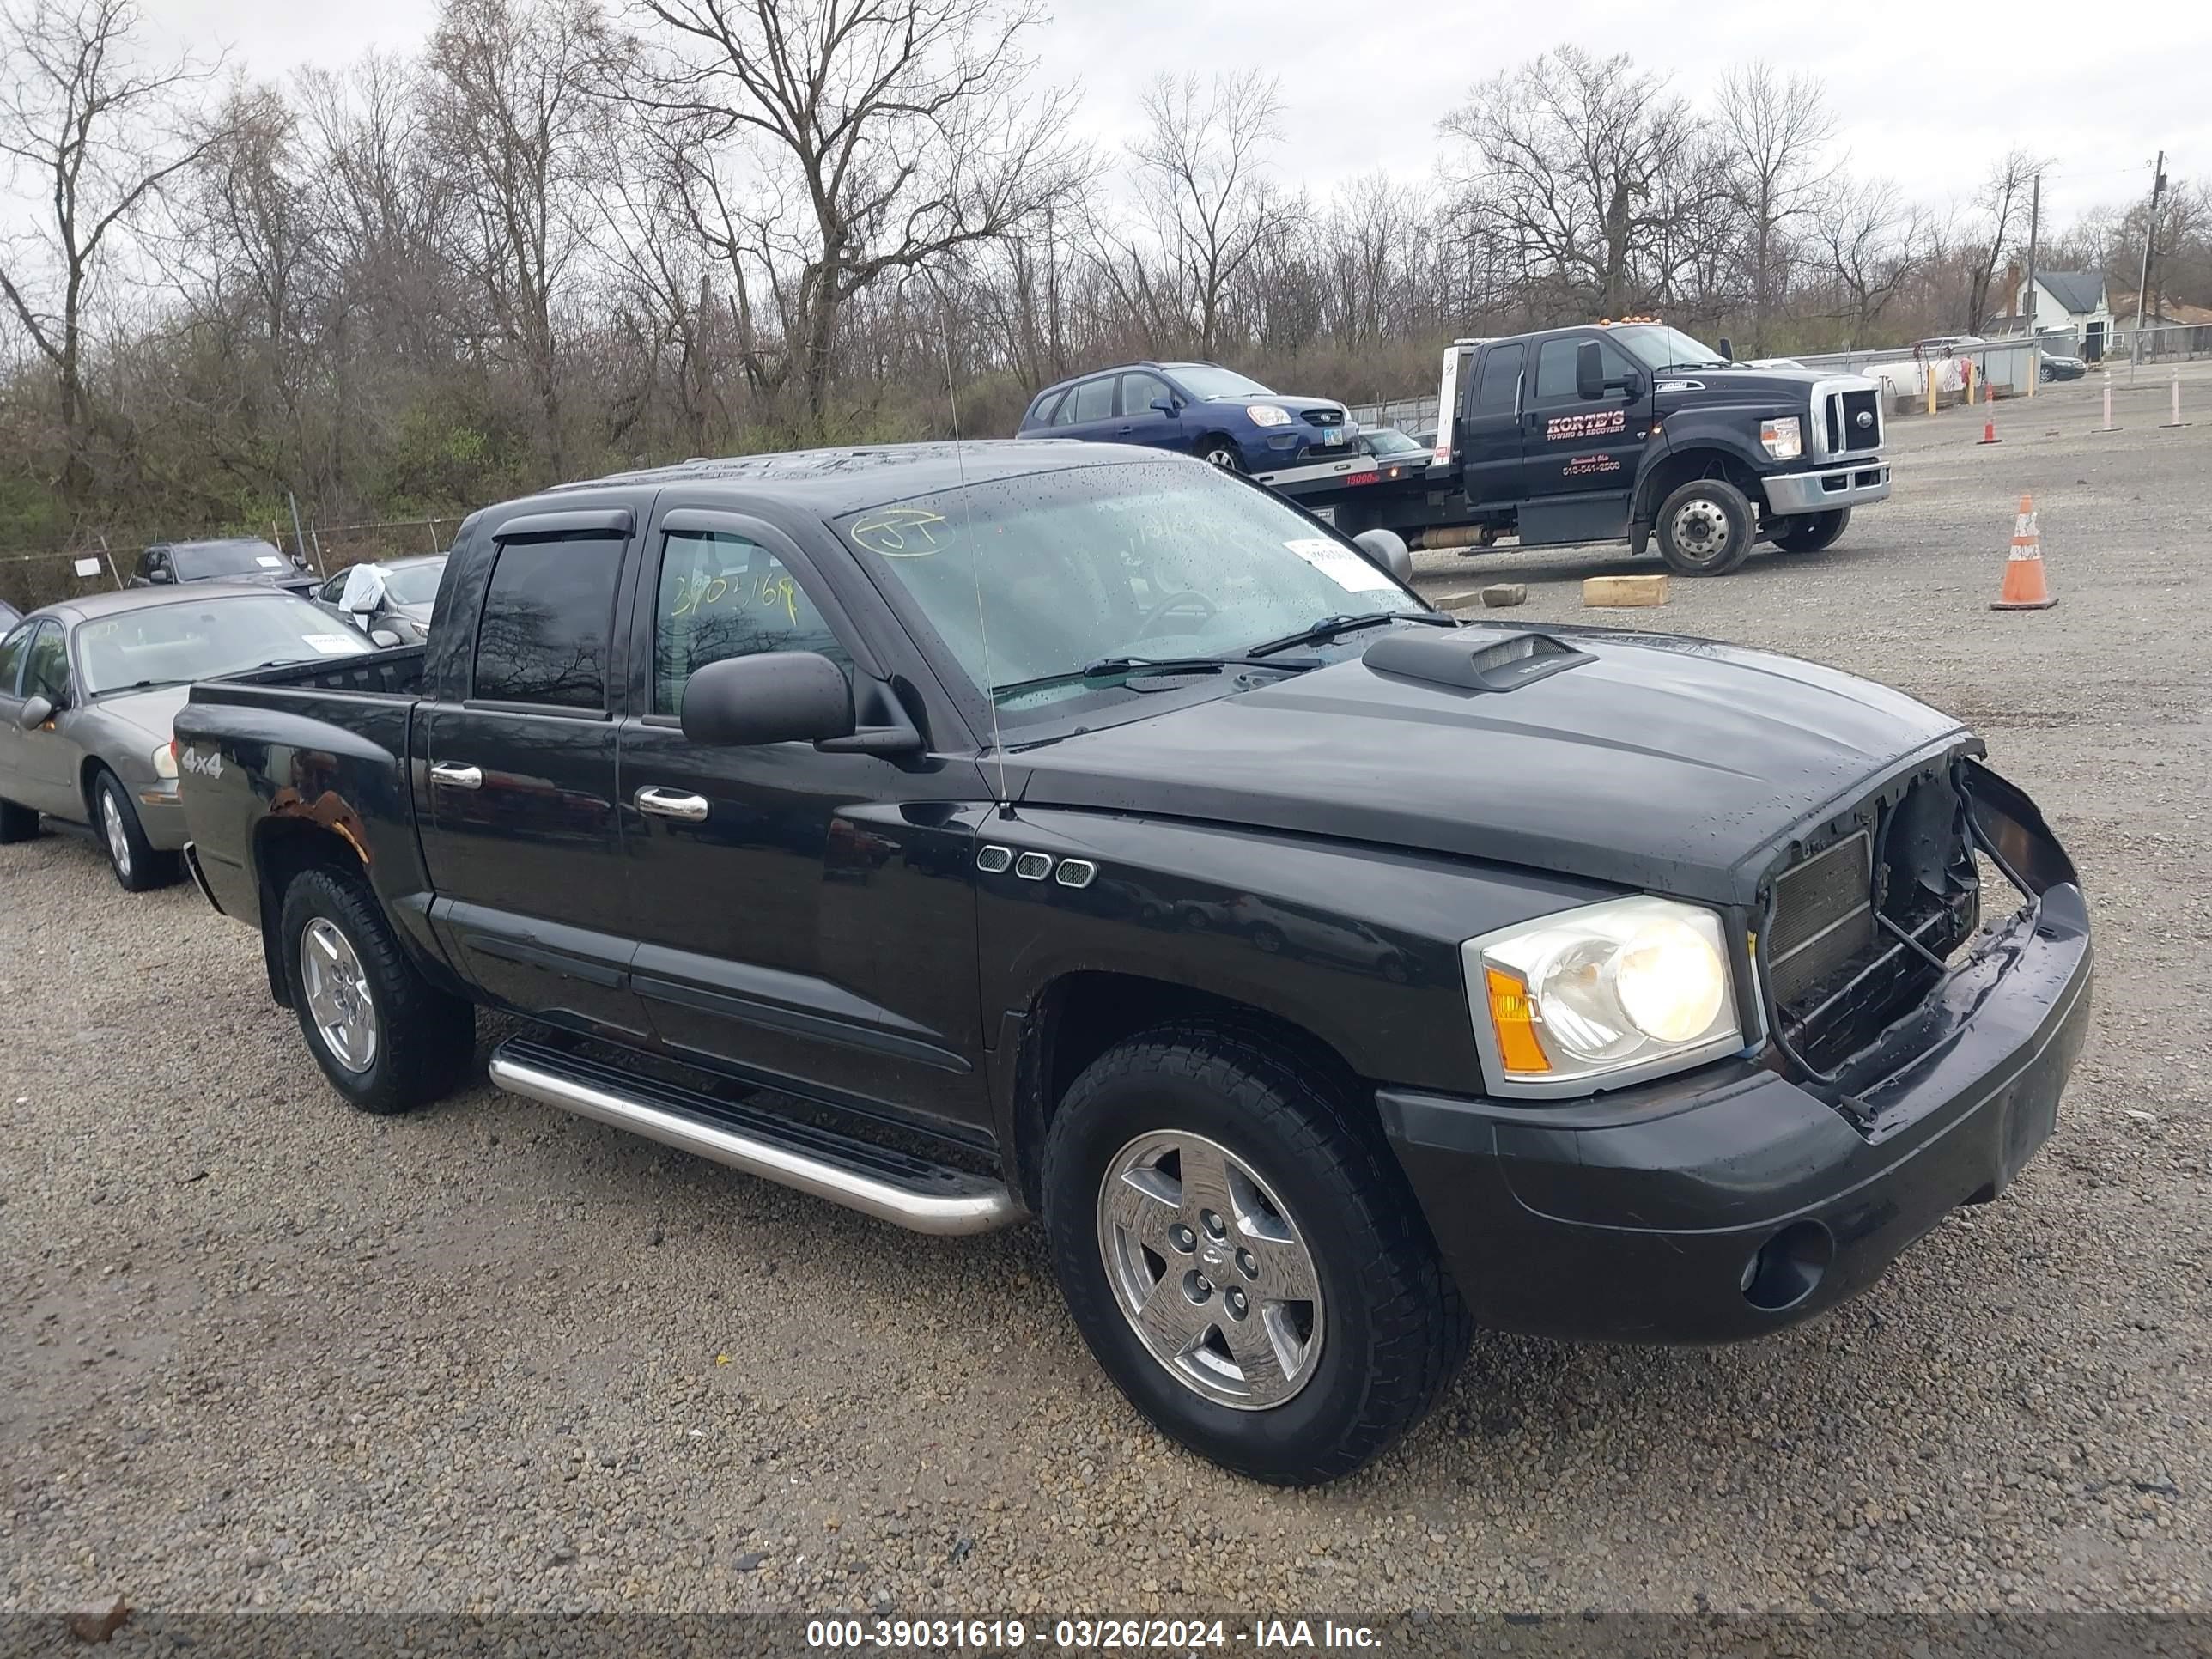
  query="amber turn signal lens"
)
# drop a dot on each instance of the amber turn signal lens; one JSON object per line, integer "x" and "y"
{"x": 1514, "y": 1022}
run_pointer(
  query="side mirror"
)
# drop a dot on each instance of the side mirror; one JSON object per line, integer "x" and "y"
{"x": 1589, "y": 372}
{"x": 1727, "y": 349}
{"x": 1387, "y": 550}
{"x": 34, "y": 714}
{"x": 1165, "y": 405}
{"x": 777, "y": 696}
{"x": 1631, "y": 385}
{"x": 383, "y": 638}
{"x": 158, "y": 574}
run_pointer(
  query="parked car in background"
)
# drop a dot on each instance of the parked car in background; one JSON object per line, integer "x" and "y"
{"x": 1397, "y": 455}
{"x": 227, "y": 559}
{"x": 88, "y": 690}
{"x": 1199, "y": 408}
{"x": 2058, "y": 367}
{"x": 394, "y": 597}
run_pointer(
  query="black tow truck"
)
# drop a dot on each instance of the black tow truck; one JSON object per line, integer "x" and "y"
{"x": 1064, "y": 829}
{"x": 1620, "y": 432}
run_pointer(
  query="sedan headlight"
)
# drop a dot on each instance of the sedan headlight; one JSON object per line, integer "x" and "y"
{"x": 1267, "y": 414}
{"x": 165, "y": 761}
{"x": 1610, "y": 993}
{"x": 1784, "y": 439}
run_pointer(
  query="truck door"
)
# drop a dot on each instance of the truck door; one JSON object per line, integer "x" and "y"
{"x": 1490, "y": 429}
{"x": 515, "y": 777}
{"x": 1581, "y": 457}
{"x": 804, "y": 919}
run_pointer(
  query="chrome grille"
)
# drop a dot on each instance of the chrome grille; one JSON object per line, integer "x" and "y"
{"x": 1324, "y": 418}
{"x": 1823, "y": 917}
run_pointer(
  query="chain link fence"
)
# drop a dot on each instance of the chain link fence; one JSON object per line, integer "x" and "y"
{"x": 33, "y": 577}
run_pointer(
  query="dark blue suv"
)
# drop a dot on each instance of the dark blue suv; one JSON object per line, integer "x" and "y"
{"x": 1200, "y": 409}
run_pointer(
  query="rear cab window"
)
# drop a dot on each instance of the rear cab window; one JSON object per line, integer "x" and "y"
{"x": 542, "y": 639}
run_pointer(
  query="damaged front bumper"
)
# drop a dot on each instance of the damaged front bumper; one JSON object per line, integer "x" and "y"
{"x": 1735, "y": 1200}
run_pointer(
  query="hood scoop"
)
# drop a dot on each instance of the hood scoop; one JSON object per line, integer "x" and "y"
{"x": 1472, "y": 659}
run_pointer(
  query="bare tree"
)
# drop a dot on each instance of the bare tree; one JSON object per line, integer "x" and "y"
{"x": 892, "y": 134}
{"x": 1867, "y": 241}
{"x": 1200, "y": 172}
{"x": 1579, "y": 161}
{"x": 96, "y": 135}
{"x": 512, "y": 112}
{"x": 2002, "y": 215}
{"x": 1774, "y": 160}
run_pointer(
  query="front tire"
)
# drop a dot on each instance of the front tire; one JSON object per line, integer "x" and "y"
{"x": 138, "y": 868}
{"x": 1704, "y": 528}
{"x": 1245, "y": 1263}
{"x": 1810, "y": 532}
{"x": 386, "y": 1038}
{"x": 1219, "y": 452}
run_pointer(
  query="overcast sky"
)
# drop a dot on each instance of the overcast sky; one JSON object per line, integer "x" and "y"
{"x": 1926, "y": 90}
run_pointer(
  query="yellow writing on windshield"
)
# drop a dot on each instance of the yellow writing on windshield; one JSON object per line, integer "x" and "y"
{"x": 772, "y": 590}
{"x": 902, "y": 532}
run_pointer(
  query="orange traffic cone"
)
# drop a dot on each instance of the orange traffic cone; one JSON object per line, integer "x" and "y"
{"x": 1989, "y": 414}
{"x": 2024, "y": 587}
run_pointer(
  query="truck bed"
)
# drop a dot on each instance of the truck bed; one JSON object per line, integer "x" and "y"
{"x": 396, "y": 673}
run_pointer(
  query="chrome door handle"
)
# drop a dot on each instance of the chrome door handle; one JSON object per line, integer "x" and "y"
{"x": 457, "y": 777}
{"x": 672, "y": 803}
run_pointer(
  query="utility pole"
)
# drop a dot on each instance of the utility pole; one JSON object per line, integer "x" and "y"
{"x": 2034, "y": 222}
{"x": 2143, "y": 282}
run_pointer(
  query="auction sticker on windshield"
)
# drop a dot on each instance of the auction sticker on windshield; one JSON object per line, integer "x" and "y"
{"x": 1340, "y": 565}
{"x": 332, "y": 645}
{"x": 268, "y": 561}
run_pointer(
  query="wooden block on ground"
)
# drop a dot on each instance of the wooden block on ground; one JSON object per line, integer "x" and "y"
{"x": 1615, "y": 592}
{"x": 1503, "y": 593}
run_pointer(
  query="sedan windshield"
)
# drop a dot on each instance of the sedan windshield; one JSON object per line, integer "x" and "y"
{"x": 414, "y": 584}
{"x": 201, "y": 560}
{"x": 174, "y": 644}
{"x": 1211, "y": 381}
{"x": 1657, "y": 346}
{"x": 1057, "y": 586}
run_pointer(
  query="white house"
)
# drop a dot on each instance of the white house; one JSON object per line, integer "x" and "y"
{"x": 2064, "y": 300}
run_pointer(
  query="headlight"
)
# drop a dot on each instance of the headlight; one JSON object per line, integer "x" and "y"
{"x": 1612, "y": 991}
{"x": 1267, "y": 414}
{"x": 165, "y": 761}
{"x": 1782, "y": 439}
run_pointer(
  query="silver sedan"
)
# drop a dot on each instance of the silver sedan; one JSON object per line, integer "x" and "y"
{"x": 89, "y": 691}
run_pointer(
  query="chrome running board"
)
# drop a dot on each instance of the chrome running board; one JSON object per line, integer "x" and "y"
{"x": 877, "y": 1180}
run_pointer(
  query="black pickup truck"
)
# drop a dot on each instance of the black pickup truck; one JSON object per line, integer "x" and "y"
{"x": 1630, "y": 431}
{"x": 964, "y": 833}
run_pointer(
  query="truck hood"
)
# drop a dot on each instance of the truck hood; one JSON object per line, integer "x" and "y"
{"x": 1672, "y": 765}
{"x": 1791, "y": 387}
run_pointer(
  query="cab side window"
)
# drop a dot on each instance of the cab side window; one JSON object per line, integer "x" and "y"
{"x": 1501, "y": 379}
{"x": 723, "y": 596}
{"x": 12, "y": 651}
{"x": 547, "y": 618}
{"x": 45, "y": 665}
{"x": 1555, "y": 370}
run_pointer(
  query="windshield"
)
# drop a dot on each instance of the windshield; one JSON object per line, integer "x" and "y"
{"x": 1657, "y": 346}
{"x": 414, "y": 584}
{"x": 173, "y": 644}
{"x": 197, "y": 561}
{"x": 1029, "y": 578}
{"x": 1388, "y": 440}
{"x": 1211, "y": 381}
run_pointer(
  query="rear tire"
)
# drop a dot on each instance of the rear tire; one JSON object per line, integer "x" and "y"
{"x": 386, "y": 1038}
{"x": 1808, "y": 532}
{"x": 17, "y": 822}
{"x": 1298, "y": 1358}
{"x": 1704, "y": 528}
{"x": 138, "y": 868}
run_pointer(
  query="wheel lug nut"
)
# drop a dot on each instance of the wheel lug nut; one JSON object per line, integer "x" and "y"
{"x": 1183, "y": 1238}
{"x": 1236, "y": 1303}
{"x": 1248, "y": 1264}
{"x": 1212, "y": 1223}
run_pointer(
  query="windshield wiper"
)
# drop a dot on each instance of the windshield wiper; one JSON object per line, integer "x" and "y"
{"x": 1123, "y": 668}
{"x": 1329, "y": 627}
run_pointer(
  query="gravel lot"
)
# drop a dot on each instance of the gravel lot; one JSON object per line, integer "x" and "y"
{"x": 263, "y": 1352}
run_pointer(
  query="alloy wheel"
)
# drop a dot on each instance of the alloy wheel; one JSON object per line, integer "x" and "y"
{"x": 337, "y": 995}
{"x": 1210, "y": 1270}
{"x": 118, "y": 838}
